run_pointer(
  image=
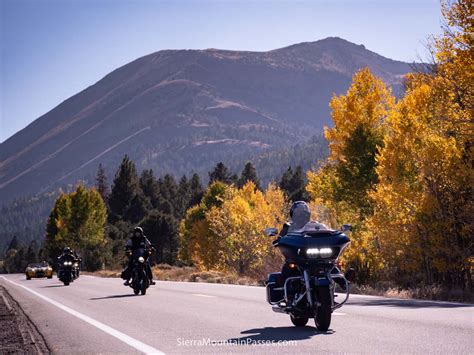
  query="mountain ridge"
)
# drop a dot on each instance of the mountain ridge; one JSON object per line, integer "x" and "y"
{"x": 244, "y": 102}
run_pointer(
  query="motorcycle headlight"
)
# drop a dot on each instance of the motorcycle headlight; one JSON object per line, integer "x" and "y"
{"x": 325, "y": 252}
{"x": 141, "y": 259}
{"x": 312, "y": 252}
{"x": 322, "y": 253}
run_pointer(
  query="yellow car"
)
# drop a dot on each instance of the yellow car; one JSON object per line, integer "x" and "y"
{"x": 38, "y": 270}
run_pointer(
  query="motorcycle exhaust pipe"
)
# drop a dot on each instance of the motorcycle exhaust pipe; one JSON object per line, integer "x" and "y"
{"x": 278, "y": 309}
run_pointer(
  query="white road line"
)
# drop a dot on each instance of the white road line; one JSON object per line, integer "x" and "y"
{"x": 105, "y": 328}
{"x": 338, "y": 314}
{"x": 201, "y": 295}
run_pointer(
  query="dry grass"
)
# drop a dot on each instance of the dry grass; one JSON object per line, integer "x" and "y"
{"x": 191, "y": 274}
{"x": 433, "y": 293}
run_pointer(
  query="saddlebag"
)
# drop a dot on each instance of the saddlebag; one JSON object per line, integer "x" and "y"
{"x": 274, "y": 287}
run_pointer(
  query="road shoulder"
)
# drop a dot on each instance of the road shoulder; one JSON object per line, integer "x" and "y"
{"x": 18, "y": 334}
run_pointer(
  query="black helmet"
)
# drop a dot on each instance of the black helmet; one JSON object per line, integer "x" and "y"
{"x": 67, "y": 250}
{"x": 296, "y": 204}
{"x": 139, "y": 230}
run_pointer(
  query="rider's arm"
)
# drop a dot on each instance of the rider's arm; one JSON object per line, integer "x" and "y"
{"x": 284, "y": 229}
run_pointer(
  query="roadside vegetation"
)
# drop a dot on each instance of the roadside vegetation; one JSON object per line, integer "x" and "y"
{"x": 399, "y": 170}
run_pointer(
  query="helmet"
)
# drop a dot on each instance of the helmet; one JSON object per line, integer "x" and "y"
{"x": 138, "y": 232}
{"x": 67, "y": 250}
{"x": 298, "y": 204}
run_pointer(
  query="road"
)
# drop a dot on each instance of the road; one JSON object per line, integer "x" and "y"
{"x": 100, "y": 315}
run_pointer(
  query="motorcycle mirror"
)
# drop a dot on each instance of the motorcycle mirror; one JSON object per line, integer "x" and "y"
{"x": 346, "y": 228}
{"x": 271, "y": 231}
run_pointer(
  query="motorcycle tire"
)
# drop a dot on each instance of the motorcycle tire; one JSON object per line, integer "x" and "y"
{"x": 298, "y": 321}
{"x": 322, "y": 316}
{"x": 66, "y": 283}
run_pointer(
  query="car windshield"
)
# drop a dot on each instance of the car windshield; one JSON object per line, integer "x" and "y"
{"x": 34, "y": 265}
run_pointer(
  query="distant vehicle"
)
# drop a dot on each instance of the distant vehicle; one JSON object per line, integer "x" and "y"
{"x": 39, "y": 270}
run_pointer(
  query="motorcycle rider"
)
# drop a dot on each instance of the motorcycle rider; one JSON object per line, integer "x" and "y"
{"x": 137, "y": 240}
{"x": 300, "y": 215}
{"x": 69, "y": 254}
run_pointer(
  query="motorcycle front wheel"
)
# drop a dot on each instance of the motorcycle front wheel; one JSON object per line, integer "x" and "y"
{"x": 144, "y": 283}
{"x": 322, "y": 316}
{"x": 298, "y": 321}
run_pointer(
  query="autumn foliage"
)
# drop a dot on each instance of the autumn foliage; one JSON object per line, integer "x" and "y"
{"x": 402, "y": 171}
{"x": 226, "y": 231}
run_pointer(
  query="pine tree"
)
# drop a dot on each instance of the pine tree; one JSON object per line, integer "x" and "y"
{"x": 294, "y": 184}
{"x": 13, "y": 244}
{"x": 161, "y": 229}
{"x": 101, "y": 183}
{"x": 249, "y": 173}
{"x": 222, "y": 174}
{"x": 149, "y": 186}
{"x": 196, "y": 190}
{"x": 184, "y": 195}
{"x": 32, "y": 252}
{"x": 124, "y": 190}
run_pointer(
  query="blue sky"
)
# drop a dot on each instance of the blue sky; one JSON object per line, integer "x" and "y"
{"x": 52, "y": 49}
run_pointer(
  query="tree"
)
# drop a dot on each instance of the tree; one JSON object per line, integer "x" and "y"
{"x": 32, "y": 252}
{"x": 149, "y": 186}
{"x": 13, "y": 244}
{"x": 198, "y": 244}
{"x": 221, "y": 173}
{"x": 354, "y": 141}
{"x": 342, "y": 185}
{"x": 196, "y": 190}
{"x": 124, "y": 190}
{"x": 225, "y": 231}
{"x": 249, "y": 173}
{"x": 101, "y": 183}
{"x": 78, "y": 220}
{"x": 161, "y": 229}
{"x": 183, "y": 196}
{"x": 294, "y": 184}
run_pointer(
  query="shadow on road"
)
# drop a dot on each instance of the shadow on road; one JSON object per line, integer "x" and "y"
{"x": 277, "y": 334}
{"x": 407, "y": 303}
{"x": 112, "y": 296}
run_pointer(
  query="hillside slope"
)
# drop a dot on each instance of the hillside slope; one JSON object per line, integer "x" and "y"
{"x": 184, "y": 110}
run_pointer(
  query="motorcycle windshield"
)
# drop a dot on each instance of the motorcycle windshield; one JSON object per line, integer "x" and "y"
{"x": 314, "y": 239}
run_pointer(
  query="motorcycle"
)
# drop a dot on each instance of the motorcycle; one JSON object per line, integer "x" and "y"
{"x": 140, "y": 281}
{"x": 307, "y": 290}
{"x": 67, "y": 270}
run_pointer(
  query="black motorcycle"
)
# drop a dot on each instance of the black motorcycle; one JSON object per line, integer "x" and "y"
{"x": 306, "y": 287}
{"x": 138, "y": 272}
{"x": 67, "y": 269}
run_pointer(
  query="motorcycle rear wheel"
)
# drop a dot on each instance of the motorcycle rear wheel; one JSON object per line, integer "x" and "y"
{"x": 298, "y": 321}
{"x": 322, "y": 316}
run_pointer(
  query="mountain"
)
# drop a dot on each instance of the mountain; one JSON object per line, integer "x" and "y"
{"x": 184, "y": 110}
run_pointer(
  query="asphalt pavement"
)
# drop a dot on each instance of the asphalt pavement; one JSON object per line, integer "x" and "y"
{"x": 99, "y": 315}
